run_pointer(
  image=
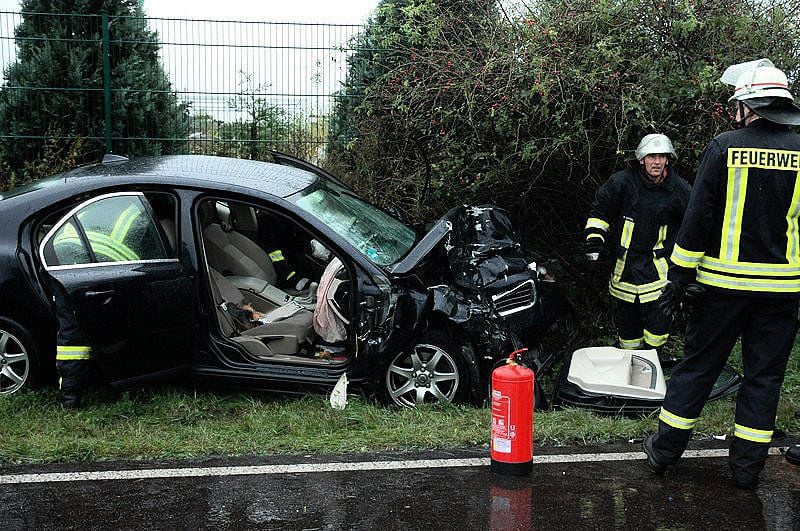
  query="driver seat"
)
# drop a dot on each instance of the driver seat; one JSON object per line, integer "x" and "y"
{"x": 240, "y": 259}
{"x": 291, "y": 327}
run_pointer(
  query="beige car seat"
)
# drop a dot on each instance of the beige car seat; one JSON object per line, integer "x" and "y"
{"x": 287, "y": 328}
{"x": 243, "y": 262}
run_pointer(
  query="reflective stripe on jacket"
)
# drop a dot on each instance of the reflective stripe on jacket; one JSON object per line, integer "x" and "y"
{"x": 646, "y": 217}
{"x": 741, "y": 229}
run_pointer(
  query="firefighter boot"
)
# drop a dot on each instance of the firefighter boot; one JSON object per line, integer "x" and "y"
{"x": 71, "y": 400}
{"x": 744, "y": 479}
{"x": 655, "y": 466}
{"x": 793, "y": 454}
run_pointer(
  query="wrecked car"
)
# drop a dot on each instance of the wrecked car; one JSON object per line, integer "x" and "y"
{"x": 337, "y": 285}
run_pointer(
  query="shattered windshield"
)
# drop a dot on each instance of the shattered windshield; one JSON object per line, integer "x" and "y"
{"x": 377, "y": 235}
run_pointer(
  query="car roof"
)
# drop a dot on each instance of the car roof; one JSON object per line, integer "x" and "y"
{"x": 193, "y": 170}
{"x": 267, "y": 177}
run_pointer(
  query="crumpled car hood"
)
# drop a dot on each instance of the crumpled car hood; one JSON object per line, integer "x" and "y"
{"x": 481, "y": 243}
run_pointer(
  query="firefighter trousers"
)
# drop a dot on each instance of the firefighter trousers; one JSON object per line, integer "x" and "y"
{"x": 767, "y": 327}
{"x": 641, "y": 325}
{"x": 73, "y": 353}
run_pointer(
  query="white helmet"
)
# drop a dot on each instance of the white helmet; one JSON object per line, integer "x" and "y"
{"x": 655, "y": 143}
{"x": 757, "y": 79}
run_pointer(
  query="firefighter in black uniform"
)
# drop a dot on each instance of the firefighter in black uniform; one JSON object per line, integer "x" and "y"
{"x": 737, "y": 257}
{"x": 73, "y": 353}
{"x": 646, "y": 204}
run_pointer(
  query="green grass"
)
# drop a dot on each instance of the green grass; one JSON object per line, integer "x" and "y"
{"x": 180, "y": 423}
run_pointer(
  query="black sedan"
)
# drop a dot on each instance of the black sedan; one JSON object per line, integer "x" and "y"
{"x": 158, "y": 256}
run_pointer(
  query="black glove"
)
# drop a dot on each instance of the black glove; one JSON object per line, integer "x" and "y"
{"x": 592, "y": 248}
{"x": 677, "y": 295}
{"x": 692, "y": 294}
{"x": 670, "y": 299}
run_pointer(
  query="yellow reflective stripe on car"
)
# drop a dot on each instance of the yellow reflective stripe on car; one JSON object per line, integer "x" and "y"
{"x": 772, "y": 285}
{"x": 734, "y": 208}
{"x": 792, "y": 226}
{"x": 655, "y": 339}
{"x": 685, "y": 258}
{"x": 68, "y": 234}
{"x": 114, "y": 249}
{"x": 105, "y": 250}
{"x": 676, "y": 421}
{"x": 595, "y": 235}
{"x": 124, "y": 222}
{"x": 630, "y": 344}
{"x": 752, "y": 434}
{"x": 597, "y": 223}
{"x": 276, "y": 256}
{"x": 64, "y": 353}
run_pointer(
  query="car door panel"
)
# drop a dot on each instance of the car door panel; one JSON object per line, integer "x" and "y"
{"x": 135, "y": 302}
{"x": 139, "y": 318}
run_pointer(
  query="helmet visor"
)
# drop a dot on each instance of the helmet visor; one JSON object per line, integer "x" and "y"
{"x": 734, "y": 72}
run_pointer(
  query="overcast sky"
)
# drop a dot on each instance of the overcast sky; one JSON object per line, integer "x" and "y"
{"x": 331, "y": 11}
{"x": 283, "y": 60}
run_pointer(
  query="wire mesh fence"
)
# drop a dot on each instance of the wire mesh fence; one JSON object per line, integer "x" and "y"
{"x": 136, "y": 84}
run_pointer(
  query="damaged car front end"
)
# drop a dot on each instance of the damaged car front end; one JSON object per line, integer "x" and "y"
{"x": 468, "y": 295}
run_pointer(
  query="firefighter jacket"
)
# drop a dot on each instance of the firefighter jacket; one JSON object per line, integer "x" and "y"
{"x": 741, "y": 230}
{"x": 646, "y": 218}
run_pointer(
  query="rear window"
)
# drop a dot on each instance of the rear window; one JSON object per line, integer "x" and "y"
{"x": 111, "y": 229}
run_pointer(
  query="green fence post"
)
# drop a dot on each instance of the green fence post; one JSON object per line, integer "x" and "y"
{"x": 107, "y": 83}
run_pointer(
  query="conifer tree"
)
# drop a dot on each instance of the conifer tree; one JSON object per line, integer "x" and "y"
{"x": 53, "y": 102}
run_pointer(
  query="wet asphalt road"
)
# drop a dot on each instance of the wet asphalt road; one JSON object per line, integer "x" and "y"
{"x": 576, "y": 495}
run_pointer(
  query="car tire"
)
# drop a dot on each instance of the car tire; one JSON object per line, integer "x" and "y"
{"x": 19, "y": 359}
{"x": 431, "y": 371}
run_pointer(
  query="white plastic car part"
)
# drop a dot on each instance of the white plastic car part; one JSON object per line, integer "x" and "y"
{"x": 618, "y": 372}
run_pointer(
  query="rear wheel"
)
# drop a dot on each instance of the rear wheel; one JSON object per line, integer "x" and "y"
{"x": 431, "y": 371}
{"x": 18, "y": 359}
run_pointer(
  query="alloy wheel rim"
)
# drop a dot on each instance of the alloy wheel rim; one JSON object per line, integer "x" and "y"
{"x": 427, "y": 375}
{"x": 14, "y": 363}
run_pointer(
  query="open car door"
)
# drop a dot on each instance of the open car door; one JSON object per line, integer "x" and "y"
{"x": 135, "y": 301}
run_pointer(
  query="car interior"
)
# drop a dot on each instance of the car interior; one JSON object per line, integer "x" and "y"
{"x": 279, "y": 292}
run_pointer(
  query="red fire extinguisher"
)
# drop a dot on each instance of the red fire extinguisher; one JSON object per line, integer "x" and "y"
{"x": 512, "y": 418}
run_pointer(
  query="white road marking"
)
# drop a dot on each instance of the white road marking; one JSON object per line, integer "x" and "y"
{"x": 306, "y": 468}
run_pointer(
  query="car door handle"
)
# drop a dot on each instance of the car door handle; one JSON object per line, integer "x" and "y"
{"x": 95, "y": 294}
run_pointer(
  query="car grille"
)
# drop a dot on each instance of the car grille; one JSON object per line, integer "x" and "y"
{"x": 521, "y": 297}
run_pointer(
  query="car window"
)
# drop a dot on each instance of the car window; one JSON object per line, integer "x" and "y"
{"x": 67, "y": 247}
{"x": 113, "y": 229}
{"x": 119, "y": 229}
{"x": 376, "y": 234}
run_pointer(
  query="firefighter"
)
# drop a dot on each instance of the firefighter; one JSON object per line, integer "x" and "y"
{"x": 646, "y": 204}
{"x": 737, "y": 257}
{"x": 73, "y": 353}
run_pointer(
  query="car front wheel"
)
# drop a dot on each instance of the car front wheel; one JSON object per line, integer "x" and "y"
{"x": 430, "y": 372}
{"x": 17, "y": 360}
